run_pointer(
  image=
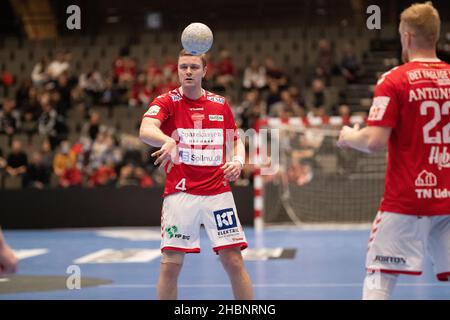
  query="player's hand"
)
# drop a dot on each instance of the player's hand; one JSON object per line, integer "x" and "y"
{"x": 346, "y": 131}
{"x": 8, "y": 261}
{"x": 166, "y": 155}
{"x": 232, "y": 170}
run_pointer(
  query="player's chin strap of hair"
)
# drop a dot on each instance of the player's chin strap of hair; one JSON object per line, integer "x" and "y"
{"x": 240, "y": 160}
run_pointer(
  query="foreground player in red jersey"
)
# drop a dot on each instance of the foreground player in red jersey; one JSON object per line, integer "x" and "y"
{"x": 411, "y": 114}
{"x": 8, "y": 261}
{"x": 194, "y": 128}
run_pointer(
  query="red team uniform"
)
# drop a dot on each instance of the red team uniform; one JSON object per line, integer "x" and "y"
{"x": 196, "y": 191}
{"x": 414, "y": 100}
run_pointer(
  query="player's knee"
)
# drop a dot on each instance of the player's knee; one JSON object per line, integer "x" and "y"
{"x": 231, "y": 259}
{"x": 172, "y": 257}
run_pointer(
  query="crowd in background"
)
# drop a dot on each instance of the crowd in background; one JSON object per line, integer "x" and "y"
{"x": 103, "y": 153}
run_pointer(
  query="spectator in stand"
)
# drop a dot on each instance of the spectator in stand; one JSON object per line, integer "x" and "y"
{"x": 7, "y": 80}
{"x": 275, "y": 76}
{"x": 92, "y": 84}
{"x": 93, "y": 127}
{"x": 29, "y": 125}
{"x": 103, "y": 176}
{"x": 287, "y": 107}
{"x": 71, "y": 176}
{"x": 10, "y": 122}
{"x": 349, "y": 64}
{"x": 58, "y": 66}
{"x": 251, "y": 109}
{"x": 37, "y": 174}
{"x": 39, "y": 75}
{"x": 50, "y": 124}
{"x": 225, "y": 70}
{"x": 254, "y": 76}
{"x": 17, "y": 160}
{"x": 324, "y": 63}
{"x": 47, "y": 153}
{"x": 62, "y": 158}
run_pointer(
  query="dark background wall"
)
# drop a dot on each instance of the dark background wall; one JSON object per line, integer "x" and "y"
{"x": 89, "y": 208}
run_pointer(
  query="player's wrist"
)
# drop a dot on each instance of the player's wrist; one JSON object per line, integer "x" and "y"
{"x": 239, "y": 160}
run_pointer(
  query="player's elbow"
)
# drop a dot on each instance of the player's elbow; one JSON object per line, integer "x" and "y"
{"x": 144, "y": 135}
{"x": 375, "y": 145}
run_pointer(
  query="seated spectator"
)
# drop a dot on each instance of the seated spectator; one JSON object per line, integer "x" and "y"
{"x": 39, "y": 75}
{"x": 50, "y": 124}
{"x": 225, "y": 70}
{"x": 17, "y": 160}
{"x": 47, "y": 153}
{"x": 71, "y": 176}
{"x": 287, "y": 107}
{"x": 145, "y": 180}
{"x": 38, "y": 174}
{"x": 62, "y": 158}
{"x": 2, "y": 161}
{"x": 274, "y": 74}
{"x": 6, "y": 80}
{"x": 349, "y": 64}
{"x": 254, "y": 76}
{"x": 324, "y": 64}
{"x": 58, "y": 66}
{"x": 10, "y": 122}
{"x": 29, "y": 125}
{"x": 251, "y": 109}
{"x": 103, "y": 176}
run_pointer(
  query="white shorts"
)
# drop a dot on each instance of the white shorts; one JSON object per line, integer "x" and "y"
{"x": 183, "y": 213}
{"x": 398, "y": 244}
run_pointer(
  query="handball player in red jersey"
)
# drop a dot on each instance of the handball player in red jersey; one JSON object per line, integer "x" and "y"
{"x": 410, "y": 114}
{"x": 195, "y": 131}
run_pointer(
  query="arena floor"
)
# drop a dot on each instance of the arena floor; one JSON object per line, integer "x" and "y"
{"x": 284, "y": 263}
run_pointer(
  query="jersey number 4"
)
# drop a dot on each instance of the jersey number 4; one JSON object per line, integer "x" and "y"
{"x": 181, "y": 185}
{"x": 439, "y": 136}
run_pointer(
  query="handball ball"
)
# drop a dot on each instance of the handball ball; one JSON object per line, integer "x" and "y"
{"x": 197, "y": 38}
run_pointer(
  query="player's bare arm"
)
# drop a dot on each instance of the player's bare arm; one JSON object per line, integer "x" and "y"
{"x": 232, "y": 170}
{"x": 369, "y": 139}
{"x": 8, "y": 261}
{"x": 151, "y": 134}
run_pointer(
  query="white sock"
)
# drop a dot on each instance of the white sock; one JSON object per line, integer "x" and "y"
{"x": 378, "y": 285}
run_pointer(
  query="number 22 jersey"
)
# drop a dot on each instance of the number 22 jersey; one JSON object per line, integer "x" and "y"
{"x": 414, "y": 100}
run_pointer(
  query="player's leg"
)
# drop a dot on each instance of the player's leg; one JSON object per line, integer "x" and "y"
{"x": 439, "y": 246}
{"x": 379, "y": 285}
{"x": 171, "y": 264}
{"x": 396, "y": 246}
{"x": 228, "y": 239}
{"x": 233, "y": 264}
{"x": 180, "y": 227}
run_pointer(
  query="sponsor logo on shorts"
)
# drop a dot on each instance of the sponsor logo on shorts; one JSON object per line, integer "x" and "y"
{"x": 390, "y": 260}
{"x": 172, "y": 232}
{"x": 226, "y": 222}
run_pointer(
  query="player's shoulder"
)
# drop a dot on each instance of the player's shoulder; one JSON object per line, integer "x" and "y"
{"x": 215, "y": 98}
{"x": 171, "y": 96}
{"x": 395, "y": 74}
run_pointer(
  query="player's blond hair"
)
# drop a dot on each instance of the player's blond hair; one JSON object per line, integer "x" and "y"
{"x": 184, "y": 53}
{"x": 423, "y": 21}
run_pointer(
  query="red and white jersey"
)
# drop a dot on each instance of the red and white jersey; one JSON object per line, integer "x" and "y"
{"x": 202, "y": 129}
{"x": 414, "y": 100}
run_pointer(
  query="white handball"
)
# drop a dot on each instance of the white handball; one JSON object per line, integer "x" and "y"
{"x": 197, "y": 38}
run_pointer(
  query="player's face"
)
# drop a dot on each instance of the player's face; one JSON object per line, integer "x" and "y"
{"x": 190, "y": 71}
{"x": 404, "y": 39}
